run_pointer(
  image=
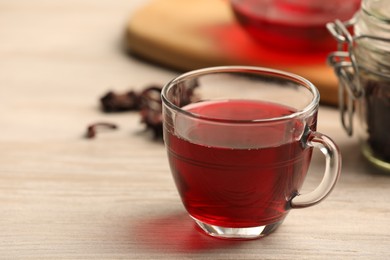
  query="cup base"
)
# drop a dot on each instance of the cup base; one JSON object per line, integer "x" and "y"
{"x": 237, "y": 233}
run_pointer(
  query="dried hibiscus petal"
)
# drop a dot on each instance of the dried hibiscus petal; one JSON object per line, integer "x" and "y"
{"x": 148, "y": 102}
{"x": 114, "y": 102}
{"x": 91, "y": 129}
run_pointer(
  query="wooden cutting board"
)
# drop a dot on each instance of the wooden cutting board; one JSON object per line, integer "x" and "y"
{"x": 191, "y": 34}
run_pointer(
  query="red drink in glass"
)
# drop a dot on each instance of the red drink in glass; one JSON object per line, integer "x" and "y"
{"x": 293, "y": 25}
{"x": 237, "y": 186}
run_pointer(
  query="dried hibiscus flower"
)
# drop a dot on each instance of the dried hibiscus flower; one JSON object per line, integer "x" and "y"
{"x": 148, "y": 102}
{"x": 92, "y": 129}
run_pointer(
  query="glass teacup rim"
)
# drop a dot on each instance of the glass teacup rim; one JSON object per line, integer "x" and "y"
{"x": 307, "y": 110}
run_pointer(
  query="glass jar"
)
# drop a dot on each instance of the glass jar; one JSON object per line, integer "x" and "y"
{"x": 362, "y": 64}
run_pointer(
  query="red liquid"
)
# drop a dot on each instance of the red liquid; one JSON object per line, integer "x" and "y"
{"x": 238, "y": 187}
{"x": 298, "y": 25}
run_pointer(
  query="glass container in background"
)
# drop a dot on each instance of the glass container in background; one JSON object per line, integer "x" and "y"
{"x": 362, "y": 64}
{"x": 293, "y": 25}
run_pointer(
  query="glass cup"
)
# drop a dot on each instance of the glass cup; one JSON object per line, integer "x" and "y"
{"x": 239, "y": 142}
{"x": 292, "y": 25}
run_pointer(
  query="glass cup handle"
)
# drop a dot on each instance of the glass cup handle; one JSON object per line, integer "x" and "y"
{"x": 332, "y": 171}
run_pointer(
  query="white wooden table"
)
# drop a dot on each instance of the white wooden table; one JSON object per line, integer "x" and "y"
{"x": 65, "y": 197}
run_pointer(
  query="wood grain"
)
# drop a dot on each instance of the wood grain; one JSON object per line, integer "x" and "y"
{"x": 65, "y": 197}
{"x": 193, "y": 34}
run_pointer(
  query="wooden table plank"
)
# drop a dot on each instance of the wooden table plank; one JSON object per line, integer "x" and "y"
{"x": 65, "y": 197}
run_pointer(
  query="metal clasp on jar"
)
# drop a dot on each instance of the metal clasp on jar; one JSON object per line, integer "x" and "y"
{"x": 347, "y": 68}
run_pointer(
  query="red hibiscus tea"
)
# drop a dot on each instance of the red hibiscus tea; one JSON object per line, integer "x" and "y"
{"x": 293, "y": 25}
{"x": 237, "y": 176}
